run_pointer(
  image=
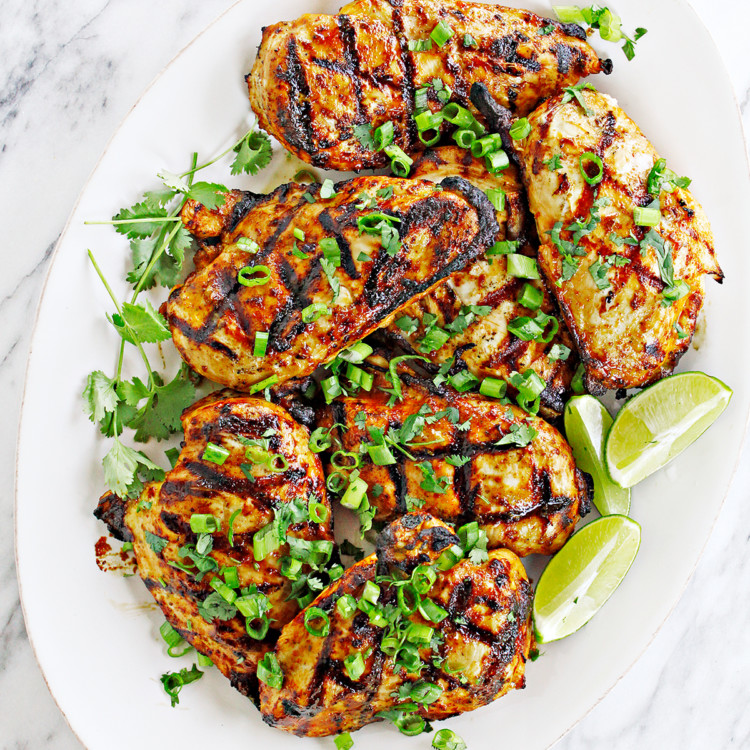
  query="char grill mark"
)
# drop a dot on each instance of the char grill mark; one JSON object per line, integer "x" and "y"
{"x": 297, "y": 122}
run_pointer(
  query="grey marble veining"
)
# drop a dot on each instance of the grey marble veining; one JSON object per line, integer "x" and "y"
{"x": 68, "y": 75}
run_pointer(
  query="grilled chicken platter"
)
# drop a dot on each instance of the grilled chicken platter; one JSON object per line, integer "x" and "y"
{"x": 460, "y": 457}
{"x": 623, "y": 246}
{"x": 318, "y": 79}
{"x": 412, "y": 340}
{"x": 399, "y": 633}
{"x": 311, "y": 275}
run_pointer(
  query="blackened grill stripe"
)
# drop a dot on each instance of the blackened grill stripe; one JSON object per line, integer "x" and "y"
{"x": 409, "y": 86}
{"x": 352, "y": 65}
{"x": 300, "y": 132}
{"x": 397, "y": 473}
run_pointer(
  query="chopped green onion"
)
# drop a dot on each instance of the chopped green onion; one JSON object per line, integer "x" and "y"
{"x": 465, "y": 138}
{"x": 346, "y": 605}
{"x": 343, "y": 741}
{"x": 410, "y": 724}
{"x": 331, "y": 388}
{"x": 306, "y": 175}
{"x": 463, "y": 381}
{"x": 590, "y": 158}
{"x": 254, "y": 275}
{"x": 331, "y": 250}
{"x": 381, "y": 455}
{"x": 173, "y": 682}
{"x": 216, "y": 454}
{"x": 225, "y": 592}
{"x": 422, "y": 579}
{"x": 458, "y": 115}
{"x": 525, "y": 328}
{"x": 265, "y": 541}
{"x": 170, "y": 635}
{"x": 493, "y": 387}
{"x": 299, "y": 234}
{"x": 441, "y": 34}
{"x": 432, "y": 611}
{"x": 312, "y": 312}
{"x": 522, "y": 267}
{"x": 320, "y": 440}
{"x": 400, "y": 161}
{"x": 469, "y": 41}
{"x": 204, "y": 523}
{"x": 676, "y": 291}
{"x": 355, "y": 494}
{"x": 559, "y": 351}
{"x": 263, "y": 384}
{"x": 428, "y": 120}
{"x": 486, "y": 145}
{"x": 577, "y": 382}
{"x": 318, "y": 512}
{"x": 261, "y": 344}
{"x": 204, "y": 661}
{"x": 259, "y": 632}
{"x": 425, "y": 693}
{"x": 248, "y": 245}
{"x": 350, "y": 460}
{"x": 327, "y": 190}
{"x": 433, "y": 340}
{"x": 645, "y": 216}
{"x": 354, "y": 665}
{"x": 408, "y": 599}
{"x": 496, "y": 161}
{"x": 420, "y": 45}
{"x": 496, "y": 197}
{"x": 449, "y": 557}
{"x": 447, "y": 739}
{"x": 231, "y": 578}
{"x": 531, "y": 297}
{"x": 356, "y": 353}
{"x": 269, "y": 671}
{"x": 469, "y": 534}
{"x": 569, "y": 14}
{"x": 382, "y": 136}
{"x": 371, "y": 592}
{"x": 419, "y": 633}
{"x": 520, "y": 129}
{"x": 321, "y": 630}
{"x": 290, "y": 568}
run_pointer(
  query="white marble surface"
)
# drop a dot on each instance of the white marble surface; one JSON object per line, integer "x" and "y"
{"x": 70, "y": 72}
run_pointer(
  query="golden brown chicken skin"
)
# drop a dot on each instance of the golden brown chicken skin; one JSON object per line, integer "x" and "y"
{"x": 486, "y": 345}
{"x": 322, "y": 281}
{"x": 317, "y": 78}
{"x": 467, "y": 458}
{"x": 472, "y": 656}
{"x": 244, "y": 493}
{"x": 630, "y": 294}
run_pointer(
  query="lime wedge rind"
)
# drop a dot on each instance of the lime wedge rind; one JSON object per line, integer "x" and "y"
{"x": 587, "y": 423}
{"x": 660, "y": 422}
{"x": 583, "y": 576}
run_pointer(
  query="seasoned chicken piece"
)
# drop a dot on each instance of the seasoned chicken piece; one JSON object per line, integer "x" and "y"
{"x": 311, "y": 276}
{"x": 317, "y": 78}
{"x": 630, "y": 292}
{"x": 481, "y": 338}
{"x": 244, "y": 462}
{"x": 459, "y": 456}
{"x": 469, "y": 650}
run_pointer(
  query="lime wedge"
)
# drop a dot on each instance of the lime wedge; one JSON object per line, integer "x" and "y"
{"x": 580, "y": 578}
{"x": 586, "y": 425}
{"x": 660, "y": 422}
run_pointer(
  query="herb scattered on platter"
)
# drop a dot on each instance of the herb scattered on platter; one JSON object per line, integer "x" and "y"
{"x": 160, "y": 247}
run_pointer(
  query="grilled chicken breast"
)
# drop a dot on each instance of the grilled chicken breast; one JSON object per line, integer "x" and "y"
{"x": 474, "y": 462}
{"x": 254, "y": 484}
{"x": 486, "y": 346}
{"x": 630, "y": 294}
{"x": 317, "y": 78}
{"x": 473, "y": 656}
{"x": 369, "y": 250}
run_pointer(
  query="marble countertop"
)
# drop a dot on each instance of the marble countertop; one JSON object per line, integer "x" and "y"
{"x": 70, "y": 73}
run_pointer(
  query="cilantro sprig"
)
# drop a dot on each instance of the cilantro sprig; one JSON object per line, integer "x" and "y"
{"x": 159, "y": 243}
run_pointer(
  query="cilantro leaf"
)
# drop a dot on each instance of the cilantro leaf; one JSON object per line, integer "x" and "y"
{"x": 99, "y": 395}
{"x": 210, "y": 194}
{"x": 215, "y": 607}
{"x": 576, "y": 92}
{"x": 160, "y": 416}
{"x": 253, "y": 153}
{"x": 140, "y": 211}
{"x": 520, "y": 435}
{"x": 120, "y": 465}
{"x": 363, "y": 133}
{"x": 143, "y": 321}
{"x": 157, "y": 543}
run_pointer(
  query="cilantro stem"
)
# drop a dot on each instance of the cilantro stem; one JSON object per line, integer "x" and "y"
{"x": 133, "y": 336}
{"x": 220, "y": 156}
{"x": 156, "y": 255}
{"x": 145, "y": 220}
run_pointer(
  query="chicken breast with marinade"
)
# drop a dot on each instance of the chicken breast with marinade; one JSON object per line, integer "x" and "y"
{"x": 244, "y": 463}
{"x": 288, "y": 280}
{"x": 474, "y": 306}
{"x": 406, "y": 656}
{"x": 460, "y": 456}
{"x": 623, "y": 246}
{"x": 316, "y": 79}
